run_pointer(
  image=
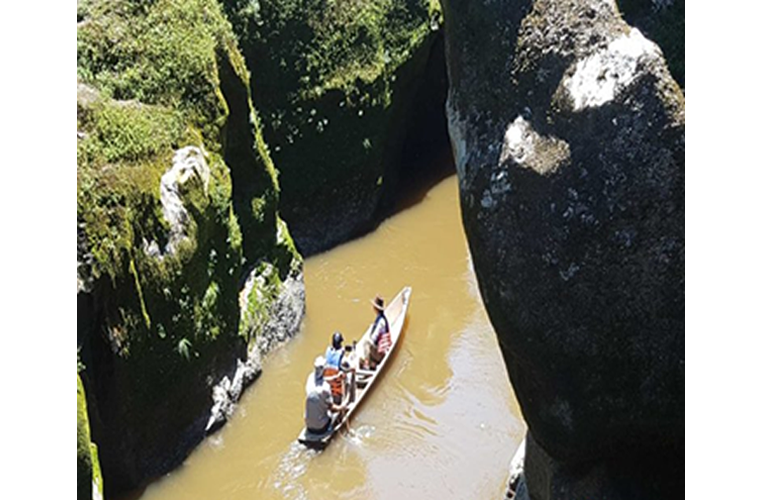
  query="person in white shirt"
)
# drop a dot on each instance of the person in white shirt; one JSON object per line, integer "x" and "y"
{"x": 320, "y": 411}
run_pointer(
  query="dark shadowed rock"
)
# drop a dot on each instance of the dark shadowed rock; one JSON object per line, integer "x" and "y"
{"x": 625, "y": 477}
{"x": 568, "y": 136}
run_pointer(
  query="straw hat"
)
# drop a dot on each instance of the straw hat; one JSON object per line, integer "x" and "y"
{"x": 378, "y": 303}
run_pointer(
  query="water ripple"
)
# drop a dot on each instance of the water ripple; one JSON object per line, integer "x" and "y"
{"x": 291, "y": 468}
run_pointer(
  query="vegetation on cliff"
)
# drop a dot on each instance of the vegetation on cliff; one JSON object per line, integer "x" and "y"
{"x": 176, "y": 199}
{"x": 333, "y": 82}
{"x": 88, "y": 469}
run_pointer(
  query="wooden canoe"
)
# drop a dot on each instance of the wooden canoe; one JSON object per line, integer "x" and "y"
{"x": 396, "y": 313}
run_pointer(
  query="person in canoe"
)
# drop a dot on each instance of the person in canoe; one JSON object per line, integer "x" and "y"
{"x": 334, "y": 374}
{"x": 320, "y": 411}
{"x": 379, "y": 341}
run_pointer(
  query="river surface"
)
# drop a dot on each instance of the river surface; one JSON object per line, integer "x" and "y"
{"x": 441, "y": 422}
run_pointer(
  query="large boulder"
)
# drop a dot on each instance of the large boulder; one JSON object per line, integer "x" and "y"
{"x": 335, "y": 85}
{"x": 568, "y": 136}
{"x": 176, "y": 205}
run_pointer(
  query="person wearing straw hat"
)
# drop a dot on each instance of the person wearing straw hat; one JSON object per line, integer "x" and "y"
{"x": 320, "y": 411}
{"x": 379, "y": 341}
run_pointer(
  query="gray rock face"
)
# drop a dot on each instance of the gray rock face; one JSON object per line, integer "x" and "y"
{"x": 283, "y": 320}
{"x": 568, "y": 135}
{"x": 188, "y": 164}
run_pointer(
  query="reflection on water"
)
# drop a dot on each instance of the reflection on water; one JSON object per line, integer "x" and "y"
{"x": 441, "y": 422}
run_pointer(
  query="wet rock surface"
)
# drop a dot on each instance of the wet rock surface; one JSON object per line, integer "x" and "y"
{"x": 568, "y": 135}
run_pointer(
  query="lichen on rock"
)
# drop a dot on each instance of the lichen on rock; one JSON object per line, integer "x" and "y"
{"x": 599, "y": 78}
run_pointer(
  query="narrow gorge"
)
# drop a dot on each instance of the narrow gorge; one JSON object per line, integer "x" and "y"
{"x": 222, "y": 143}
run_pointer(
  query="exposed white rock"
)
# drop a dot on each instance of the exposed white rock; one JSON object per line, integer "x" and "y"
{"x": 96, "y": 491}
{"x": 282, "y": 321}
{"x": 227, "y": 392}
{"x": 528, "y": 149}
{"x": 600, "y": 77}
{"x": 188, "y": 163}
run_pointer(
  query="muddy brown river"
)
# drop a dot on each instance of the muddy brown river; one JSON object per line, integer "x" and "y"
{"x": 441, "y": 422}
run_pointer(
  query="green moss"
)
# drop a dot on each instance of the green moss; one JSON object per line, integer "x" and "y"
{"x": 258, "y": 301}
{"x": 126, "y": 149}
{"x": 286, "y": 256}
{"x": 161, "y": 52}
{"x": 258, "y": 207}
{"x": 137, "y": 283}
{"x": 336, "y": 44}
{"x": 129, "y": 132}
{"x": 150, "y": 82}
{"x": 98, "y": 479}
{"x": 155, "y": 77}
{"x": 331, "y": 80}
{"x": 88, "y": 467}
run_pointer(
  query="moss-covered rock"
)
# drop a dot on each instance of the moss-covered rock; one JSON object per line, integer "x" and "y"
{"x": 89, "y": 482}
{"x": 176, "y": 200}
{"x": 334, "y": 82}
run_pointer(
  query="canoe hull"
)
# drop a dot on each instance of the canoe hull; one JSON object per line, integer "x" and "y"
{"x": 396, "y": 313}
